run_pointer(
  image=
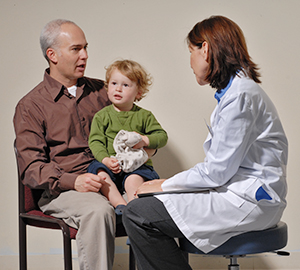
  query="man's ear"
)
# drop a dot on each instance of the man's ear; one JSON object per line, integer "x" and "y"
{"x": 52, "y": 55}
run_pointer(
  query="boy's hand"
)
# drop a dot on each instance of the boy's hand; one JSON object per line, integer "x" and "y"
{"x": 112, "y": 164}
{"x": 143, "y": 143}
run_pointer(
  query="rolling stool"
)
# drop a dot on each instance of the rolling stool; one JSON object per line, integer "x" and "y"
{"x": 269, "y": 240}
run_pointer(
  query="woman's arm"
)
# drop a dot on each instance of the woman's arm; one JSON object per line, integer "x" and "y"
{"x": 151, "y": 186}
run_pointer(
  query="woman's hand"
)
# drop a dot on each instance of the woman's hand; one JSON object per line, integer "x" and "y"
{"x": 151, "y": 186}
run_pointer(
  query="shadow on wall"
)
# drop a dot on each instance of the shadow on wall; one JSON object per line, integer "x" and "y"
{"x": 166, "y": 163}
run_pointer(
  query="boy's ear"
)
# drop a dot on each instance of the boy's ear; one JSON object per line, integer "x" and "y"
{"x": 52, "y": 55}
{"x": 139, "y": 94}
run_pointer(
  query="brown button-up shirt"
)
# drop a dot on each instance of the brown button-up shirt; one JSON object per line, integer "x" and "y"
{"x": 52, "y": 130}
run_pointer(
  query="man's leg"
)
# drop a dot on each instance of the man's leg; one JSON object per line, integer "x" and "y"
{"x": 151, "y": 232}
{"x": 94, "y": 218}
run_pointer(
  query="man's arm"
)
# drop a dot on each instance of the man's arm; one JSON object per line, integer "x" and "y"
{"x": 36, "y": 169}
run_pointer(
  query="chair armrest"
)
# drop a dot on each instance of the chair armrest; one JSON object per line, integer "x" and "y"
{"x": 60, "y": 224}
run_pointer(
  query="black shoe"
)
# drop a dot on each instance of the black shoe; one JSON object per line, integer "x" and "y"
{"x": 119, "y": 212}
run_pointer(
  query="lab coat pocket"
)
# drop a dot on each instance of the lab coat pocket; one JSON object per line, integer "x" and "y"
{"x": 230, "y": 196}
{"x": 240, "y": 192}
{"x": 258, "y": 192}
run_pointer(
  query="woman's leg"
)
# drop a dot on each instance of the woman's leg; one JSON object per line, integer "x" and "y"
{"x": 151, "y": 231}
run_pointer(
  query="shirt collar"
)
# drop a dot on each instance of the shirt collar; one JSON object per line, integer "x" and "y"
{"x": 219, "y": 94}
{"x": 56, "y": 89}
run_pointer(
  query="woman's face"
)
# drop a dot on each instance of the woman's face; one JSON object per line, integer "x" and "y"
{"x": 199, "y": 62}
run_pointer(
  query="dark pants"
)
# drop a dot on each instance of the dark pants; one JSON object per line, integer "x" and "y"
{"x": 151, "y": 232}
{"x": 145, "y": 171}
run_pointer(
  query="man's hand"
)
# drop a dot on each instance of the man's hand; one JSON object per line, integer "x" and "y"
{"x": 112, "y": 164}
{"x": 88, "y": 182}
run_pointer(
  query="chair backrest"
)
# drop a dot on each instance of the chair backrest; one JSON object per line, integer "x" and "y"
{"x": 28, "y": 198}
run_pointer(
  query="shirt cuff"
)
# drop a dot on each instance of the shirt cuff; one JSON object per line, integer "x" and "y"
{"x": 67, "y": 181}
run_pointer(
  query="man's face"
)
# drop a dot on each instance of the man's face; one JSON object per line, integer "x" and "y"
{"x": 70, "y": 56}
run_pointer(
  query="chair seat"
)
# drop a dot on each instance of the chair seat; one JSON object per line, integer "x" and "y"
{"x": 38, "y": 219}
{"x": 253, "y": 242}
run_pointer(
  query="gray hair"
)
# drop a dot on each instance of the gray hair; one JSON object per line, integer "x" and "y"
{"x": 49, "y": 34}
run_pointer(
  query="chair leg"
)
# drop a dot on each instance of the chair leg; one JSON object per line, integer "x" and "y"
{"x": 22, "y": 245}
{"x": 67, "y": 252}
{"x": 233, "y": 263}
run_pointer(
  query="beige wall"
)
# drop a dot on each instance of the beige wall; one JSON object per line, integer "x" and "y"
{"x": 152, "y": 33}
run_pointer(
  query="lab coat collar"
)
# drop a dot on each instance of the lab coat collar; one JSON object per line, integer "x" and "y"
{"x": 219, "y": 94}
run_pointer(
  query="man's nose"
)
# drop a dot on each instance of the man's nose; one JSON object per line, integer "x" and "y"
{"x": 84, "y": 54}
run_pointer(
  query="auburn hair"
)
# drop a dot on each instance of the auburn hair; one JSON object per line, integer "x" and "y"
{"x": 227, "y": 50}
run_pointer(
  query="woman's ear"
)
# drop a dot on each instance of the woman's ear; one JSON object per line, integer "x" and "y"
{"x": 205, "y": 48}
{"x": 52, "y": 55}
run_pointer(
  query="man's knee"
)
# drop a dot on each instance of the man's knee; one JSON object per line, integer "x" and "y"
{"x": 95, "y": 204}
{"x": 102, "y": 206}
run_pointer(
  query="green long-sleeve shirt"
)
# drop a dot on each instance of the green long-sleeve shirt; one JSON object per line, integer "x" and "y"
{"x": 108, "y": 122}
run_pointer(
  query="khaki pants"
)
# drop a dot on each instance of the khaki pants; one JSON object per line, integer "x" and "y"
{"x": 94, "y": 218}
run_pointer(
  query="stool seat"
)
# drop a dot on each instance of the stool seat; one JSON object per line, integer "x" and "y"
{"x": 252, "y": 242}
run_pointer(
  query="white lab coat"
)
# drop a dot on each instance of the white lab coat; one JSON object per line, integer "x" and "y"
{"x": 246, "y": 149}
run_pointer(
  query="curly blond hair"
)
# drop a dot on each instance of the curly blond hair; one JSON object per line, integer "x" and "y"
{"x": 134, "y": 72}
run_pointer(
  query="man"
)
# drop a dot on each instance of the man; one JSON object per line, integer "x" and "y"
{"x": 52, "y": 127}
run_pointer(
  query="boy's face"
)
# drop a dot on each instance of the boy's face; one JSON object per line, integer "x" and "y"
{"x": 122, "y": 92}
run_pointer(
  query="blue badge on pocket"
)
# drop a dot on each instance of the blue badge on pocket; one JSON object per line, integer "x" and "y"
{"x": 261, "y": 194}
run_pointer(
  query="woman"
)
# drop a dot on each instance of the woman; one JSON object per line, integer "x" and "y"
{"x": 244, "y": 169}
